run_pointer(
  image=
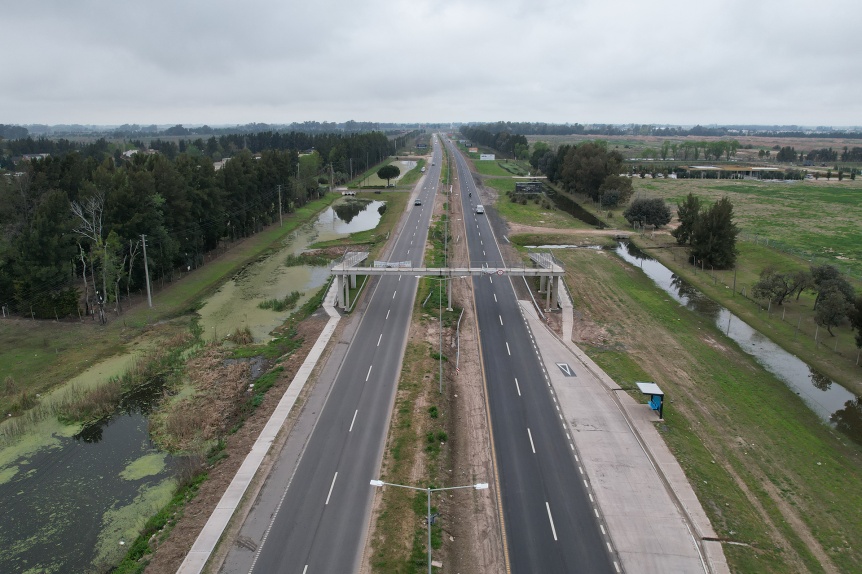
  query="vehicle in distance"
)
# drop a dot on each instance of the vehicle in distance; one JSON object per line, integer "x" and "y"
{"x": 417, "y": 202}
{"x": 480, "y": 209}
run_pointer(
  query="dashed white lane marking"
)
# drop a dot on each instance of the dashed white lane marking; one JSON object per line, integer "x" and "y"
{"x": 532, "y": 446}
{"x": 551, "y": 520}
{"x": 380, "y": 338}
{"x": 491, "y": 278}
{"x": 517, "y": 386}
{"x": 331, "y": 486}
{"x": 508, "y": 350}
{"x": 501, "y": 319}
{"x": 617, "y": 566}
{"x": 369, "y": 373}
{"x": 602, "y": 526}
{"x": 304, "y": 570}
{"x": 353, "y": 421}
{"x": 596, "y": 510}
{"x": 495, "y": 298}
{"x": 387, "y": 313}
{"x": 393, "y": 293}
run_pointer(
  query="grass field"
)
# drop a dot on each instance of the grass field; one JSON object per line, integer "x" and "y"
{"x": 370, "y": 178}
{"x": 817, "y": 220}
{"x": 775, "y": 481}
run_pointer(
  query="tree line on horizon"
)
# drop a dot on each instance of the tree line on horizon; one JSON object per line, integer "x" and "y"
{"x": 543, "y": 128}
{"x": 73, "y": 222}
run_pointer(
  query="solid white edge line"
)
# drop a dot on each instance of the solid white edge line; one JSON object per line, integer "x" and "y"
{"x": 353, "y": 421}
{"x": 331, "y": 486}
{"x": 551, "y": 519}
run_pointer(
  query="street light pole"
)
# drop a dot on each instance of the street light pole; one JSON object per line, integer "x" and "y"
{"x": 428, "y": 491}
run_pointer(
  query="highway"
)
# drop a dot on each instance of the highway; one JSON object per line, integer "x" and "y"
{"x": 321, "y": 523}
{"x": 550, "y": 522}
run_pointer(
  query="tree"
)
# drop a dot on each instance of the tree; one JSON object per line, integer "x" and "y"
{"x": 387, "y": 172}
{"x": 773, "y": 285}
{"x": 833, "y": 308}
{"x": 615, "y": 189}
{"x": 855, "y": 316}
{"x": 713, "y": 239}
{"x": 802, "y": 280}
{"x": 826, "y": 279}
{"x": 586, "y": 166}
{"x": 688, "y": 211}
{"x": 653, "y": 211}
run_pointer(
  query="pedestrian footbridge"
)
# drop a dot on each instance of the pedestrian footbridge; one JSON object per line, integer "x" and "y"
{"x": 350, "y": 266}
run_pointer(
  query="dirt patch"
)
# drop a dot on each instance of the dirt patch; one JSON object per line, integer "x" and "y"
{"x": 172, "y": 551}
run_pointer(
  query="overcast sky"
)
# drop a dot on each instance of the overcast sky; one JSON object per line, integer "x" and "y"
{"x": 589, "y": 61}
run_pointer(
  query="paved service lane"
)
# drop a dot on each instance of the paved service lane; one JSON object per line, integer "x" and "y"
{"x": 320, "y": 524}
{"x": 550, "y": 522}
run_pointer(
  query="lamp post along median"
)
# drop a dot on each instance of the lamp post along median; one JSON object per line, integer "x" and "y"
{"x": 429, "y": 490}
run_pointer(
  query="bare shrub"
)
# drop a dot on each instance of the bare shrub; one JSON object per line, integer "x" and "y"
{"x": 241, "y": 336}
{"x": 10, "y": 387}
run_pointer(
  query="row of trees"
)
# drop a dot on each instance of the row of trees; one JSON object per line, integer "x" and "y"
{"x": 73, "y": 226}
{"x": 356, "y": 151}
{"x": 588, "y": 168}
{"x": 822, "y": 155}
{"x": 501, "y": 140}
{"x": 541, "y": 128}
{"x": 835, "y": 302}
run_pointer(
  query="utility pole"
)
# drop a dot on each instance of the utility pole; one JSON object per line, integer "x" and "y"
{"x": 147, "y": 272}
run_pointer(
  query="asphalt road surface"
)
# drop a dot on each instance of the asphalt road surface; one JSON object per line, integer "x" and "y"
{"x": 321, "y": 524}
{"x": 549, "y": 520}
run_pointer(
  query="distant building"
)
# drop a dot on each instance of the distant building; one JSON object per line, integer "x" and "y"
{"x": 31, "y": 156}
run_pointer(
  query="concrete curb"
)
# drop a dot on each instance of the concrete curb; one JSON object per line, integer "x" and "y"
{"x": 208, "y": 538}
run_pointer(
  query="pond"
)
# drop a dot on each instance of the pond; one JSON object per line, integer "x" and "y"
{"x": 72, "y": 499}
{"x": 235, "y": 305}
{"x": 831, "y": 401}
